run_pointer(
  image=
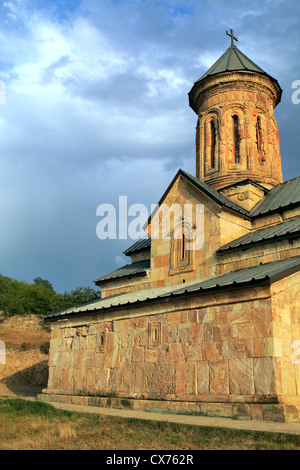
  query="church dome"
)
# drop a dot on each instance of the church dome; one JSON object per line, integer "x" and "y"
{"x": 237, "y": 135}
{"x": 233, "y": 60}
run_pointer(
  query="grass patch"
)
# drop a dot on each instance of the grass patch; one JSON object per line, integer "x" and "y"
{"x": 18, "y": 406}
{"x": 39, "y": 426}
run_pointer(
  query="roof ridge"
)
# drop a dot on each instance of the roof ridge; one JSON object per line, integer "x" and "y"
{"x": 229, "y": 56}
{"x": 248, "y": 59}
{"x": 245, "y": 181}
{"x": 214, "y": 66}
{"x": 237, "y": 55}
{"x": 214, "y": 193}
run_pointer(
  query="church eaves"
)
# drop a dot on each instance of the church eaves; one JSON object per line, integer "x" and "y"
{"x": 264, "y": 274}
{"x": 140, "y": 268}
{"x": 141, "y": 244}
{"x": 275, "y": 233}
{"x": 280, "y": 197}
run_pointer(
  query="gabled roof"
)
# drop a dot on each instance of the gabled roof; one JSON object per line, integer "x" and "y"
{"x": 280, "y": 197}
{"x": 263, "y": 274}
{"x": 139, "y": 268}
{"x": 242, "y": 183}
{"x": 285, "y": 230}
{"x": 214, "y": 195}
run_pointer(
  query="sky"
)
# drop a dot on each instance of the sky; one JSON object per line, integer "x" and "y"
{"x": 95, "y": 106}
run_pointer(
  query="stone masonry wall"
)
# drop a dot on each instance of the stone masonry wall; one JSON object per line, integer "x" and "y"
{"x": 285, "y": 344}
{"x": 218, "y": 353}
{"x": 219, "y": 227}
{"x": 250, "y": 97}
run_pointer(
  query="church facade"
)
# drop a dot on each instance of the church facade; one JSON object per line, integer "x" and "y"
{"x": 210, "y": 328}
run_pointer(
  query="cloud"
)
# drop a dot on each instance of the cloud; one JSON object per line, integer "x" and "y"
{"x": 97, "y": 107}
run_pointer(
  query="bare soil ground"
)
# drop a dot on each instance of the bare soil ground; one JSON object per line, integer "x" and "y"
{"x": 25, "y": 372}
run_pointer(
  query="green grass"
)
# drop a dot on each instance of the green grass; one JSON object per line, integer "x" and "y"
{"x": 26, "y": 425}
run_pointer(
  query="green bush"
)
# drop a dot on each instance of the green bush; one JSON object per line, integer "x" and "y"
{"x": 44, "y": 348}
{"x": 39, "y": 298}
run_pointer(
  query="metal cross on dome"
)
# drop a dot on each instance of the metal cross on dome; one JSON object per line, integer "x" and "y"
{"x": 233, "y": 38}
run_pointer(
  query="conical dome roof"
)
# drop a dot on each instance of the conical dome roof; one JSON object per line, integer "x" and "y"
{"x": 232, "y": 59}
{"x": 235, "y": 60}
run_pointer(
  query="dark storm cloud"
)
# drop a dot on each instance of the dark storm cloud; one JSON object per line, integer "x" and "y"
{"x": 97, "y": 107}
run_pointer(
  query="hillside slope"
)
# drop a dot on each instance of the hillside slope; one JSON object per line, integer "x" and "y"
{"x": 25, "y": 371}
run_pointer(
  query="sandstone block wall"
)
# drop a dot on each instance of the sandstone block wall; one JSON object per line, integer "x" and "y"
{"x": 285, "y": 344}
{"x": 218, "y": 353}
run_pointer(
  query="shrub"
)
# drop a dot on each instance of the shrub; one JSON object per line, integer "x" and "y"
{"x": 44, "y": 348}
{"x": 25, "y": 346}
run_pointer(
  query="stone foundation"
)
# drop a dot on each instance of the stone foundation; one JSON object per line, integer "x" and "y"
{"x": 244, "y": 411}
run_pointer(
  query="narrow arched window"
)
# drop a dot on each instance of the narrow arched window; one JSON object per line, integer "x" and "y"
{"x": 236, "y": 143}
{"x": 181, "y": 252}
{"x": 183, "y": 247}
{"x": 213, "y": 144}
{"x": 258, "y": 139}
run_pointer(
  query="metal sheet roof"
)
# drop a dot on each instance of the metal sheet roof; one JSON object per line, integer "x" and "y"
{"x": 141, "y": 244}
{"x": 263, "y": 274}
{"x": 232, "y": 59}
{"x": 281, "y": 196}
{"x": 285, "y": 229}
{"x": 140, "y": 267}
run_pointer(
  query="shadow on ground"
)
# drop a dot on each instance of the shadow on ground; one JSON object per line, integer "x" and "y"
{"x": 26, "y": 382}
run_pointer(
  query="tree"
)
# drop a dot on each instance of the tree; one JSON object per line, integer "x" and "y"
{"x": 38, "y": 281}
{"x": 39, "y": 298}
{"x": 83, "y": 295}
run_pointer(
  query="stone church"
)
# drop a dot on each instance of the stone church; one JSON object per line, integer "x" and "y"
{"x": 213, "y": 330}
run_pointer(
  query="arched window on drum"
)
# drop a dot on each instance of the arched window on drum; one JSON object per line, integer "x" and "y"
{"x": 236, "y": 138}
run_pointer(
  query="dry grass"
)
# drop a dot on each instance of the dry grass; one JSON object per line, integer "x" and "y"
{"x": 26, "y": 363}
{"x": 28, "y": 425}
{"x": 14, "y": 337}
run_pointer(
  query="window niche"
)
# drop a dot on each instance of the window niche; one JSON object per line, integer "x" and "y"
{"x": 211, "y": 142}
{"x": 236, "y": 138}
{"x": 259, "y": 140}
{"x": 181, "y": 255}
{"x": 154, "y": 334}
{"x": 101, "y": 341}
